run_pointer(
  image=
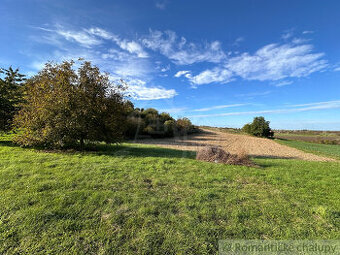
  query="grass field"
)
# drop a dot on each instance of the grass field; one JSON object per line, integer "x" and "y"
{"x": 329, "y": 150}
{"x": 139, "y": 199}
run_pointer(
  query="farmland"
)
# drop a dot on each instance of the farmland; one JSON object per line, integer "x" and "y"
{"x": 322, "y": 137}
{"x": 143, "y": 199}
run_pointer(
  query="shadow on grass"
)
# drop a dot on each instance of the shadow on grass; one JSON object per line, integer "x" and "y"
{"x": 8, "y": 144}
{"x": 116, "y": 150}
{"x": 271, "y": 157}
{"x": 281, "y": 139}
{"x": 139, "y": 151}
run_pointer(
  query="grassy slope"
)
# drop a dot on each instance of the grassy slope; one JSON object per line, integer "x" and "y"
{"x": 137, "y": 199}
{"x": 321, "y": 149}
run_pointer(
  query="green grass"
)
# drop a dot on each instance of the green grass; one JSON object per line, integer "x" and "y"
{"x": 135, "y": 199}
{"x": 328, "y": 150}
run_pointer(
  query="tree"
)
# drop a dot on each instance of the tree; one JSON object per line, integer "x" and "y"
{"x": 184, "y": 126}
{"x": 259, "y": 127}
{"x": 64, "y": 108}
{"x": 10, "y": 96}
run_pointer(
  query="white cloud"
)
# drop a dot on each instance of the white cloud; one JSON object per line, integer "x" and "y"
{"x": 275, "y": 62}
{"x": 318, "y": 103}
{"x": 283, "y": 83}
{"x": 181, "y": 73}
{"x": 125, "y": 60}
{"x": 165, "y": 69}
{"x": 300, "y": 40}
{"x": 217, "y": 107}
{"x": 137, "y": 89}
{"x": 308, "y": 32}
{"x": 254, "y": 94}
{"x": 82, "y": 37}
{"x": 101, "y": 33}
{"x": 208, "y": 76}
{"x": 182, "y": 52}
{"x": 173, "y": 110}
{"x": 272, "y": 62}
{"x": 130, "y": 46}
{"x": 298, "y": 108}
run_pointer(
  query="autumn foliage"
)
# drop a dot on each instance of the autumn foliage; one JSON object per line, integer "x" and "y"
{"x": 64, "y": 108}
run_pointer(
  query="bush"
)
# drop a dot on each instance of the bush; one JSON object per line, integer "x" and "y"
{"x": 152, "y": 123}
{"x": 259, "y": 127}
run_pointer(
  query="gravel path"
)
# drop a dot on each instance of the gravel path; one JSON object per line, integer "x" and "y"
{"x": 235, "y": 143}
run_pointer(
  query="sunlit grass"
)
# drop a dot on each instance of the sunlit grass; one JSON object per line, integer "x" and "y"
{"x": 329, "y": 150}
{"x": 137, "y": 199}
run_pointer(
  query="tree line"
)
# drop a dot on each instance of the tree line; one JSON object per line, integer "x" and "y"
{"x": 61, "y": 107}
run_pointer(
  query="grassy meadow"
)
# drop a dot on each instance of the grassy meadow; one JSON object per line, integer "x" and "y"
{"x": 139, "y": 199}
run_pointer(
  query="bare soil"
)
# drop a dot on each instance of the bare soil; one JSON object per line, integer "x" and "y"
{"x": 234, "y": 143}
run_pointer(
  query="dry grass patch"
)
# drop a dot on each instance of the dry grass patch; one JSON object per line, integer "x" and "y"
{"x": 218, "y": 155}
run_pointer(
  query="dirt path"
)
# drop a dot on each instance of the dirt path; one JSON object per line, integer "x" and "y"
{"x": 234, "y": 143}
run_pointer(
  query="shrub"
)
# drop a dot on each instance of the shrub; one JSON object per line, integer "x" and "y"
{"x": 152, "y": 123}
{"x": 259, "y": 127}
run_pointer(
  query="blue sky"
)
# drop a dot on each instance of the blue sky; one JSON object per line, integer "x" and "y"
{"x": 220, "y": 63}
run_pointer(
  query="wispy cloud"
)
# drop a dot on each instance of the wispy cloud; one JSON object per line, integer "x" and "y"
{"x": 81, "y": 37}
{"x": 308, "y": 32}
{"x": 217, "y": 107}
{"x": 238, "y": 41}
{"x": 126, "y": 59}
{"x": 182, "y": 52}
{"x": 130, "y": 46}
{"x": 217, "y": 74}
{"x": 161, "y": 4}
{"x": 173, "y": 110}
{"x": 275, "y": 62}
{"x": 181, "y": 73}
{"x": 287, "y": 34}
{"x": 137, "y": 89}
{"x": 272, "y": 62}
{"x": 282, "y": 83}
{"x": 298, "y": 108}
{"x": 334, "y": 102}
{"x": 254, "y": 94}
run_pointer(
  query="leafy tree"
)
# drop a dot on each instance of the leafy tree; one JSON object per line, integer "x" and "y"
{"x": 184, "y": 126}
{"x": 10, "y": 96}
{"x": 64, "y": 108}
{"x": 259, "y": 127}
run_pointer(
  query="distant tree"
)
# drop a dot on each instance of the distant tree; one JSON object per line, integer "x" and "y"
{"x": 64, "y": 108}
{"x": 11, "y": 83}
{"x": 184, "y": 126}
{"x": 259, "y": 127}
